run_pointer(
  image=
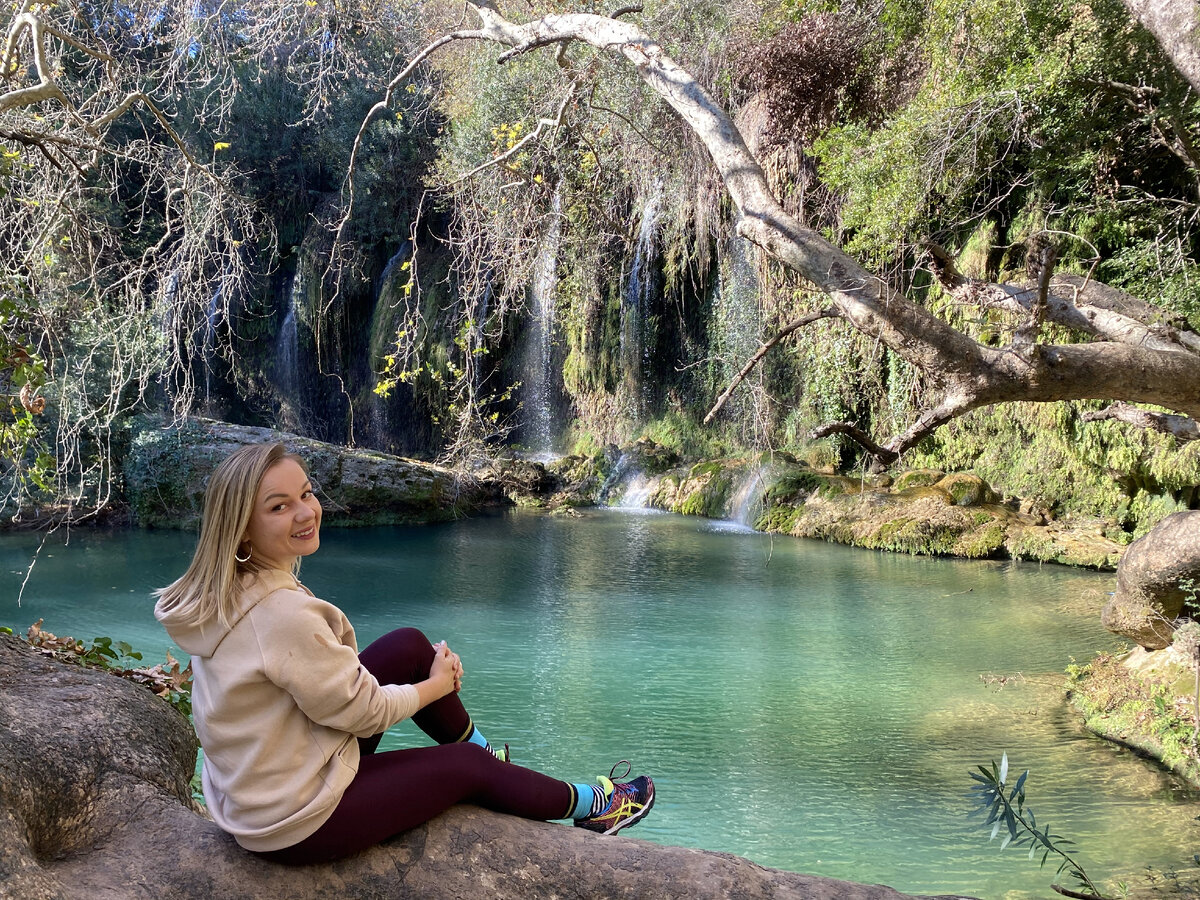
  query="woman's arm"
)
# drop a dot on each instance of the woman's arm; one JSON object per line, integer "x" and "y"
{"x": 307, "y": 651}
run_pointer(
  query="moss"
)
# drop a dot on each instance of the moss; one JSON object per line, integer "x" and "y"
{"x": 917, "y": 478}
{"x": 1148, "y": 714}
{"x": 711, "y": 496}
{"x": 966, "y": 489}
{"x": 915, "y": 536}
{"x": 779, "y": 519}
{"x": 1032, "y": 544}
{"x": 792, "y": 485}
{"x": 983, "y": 543}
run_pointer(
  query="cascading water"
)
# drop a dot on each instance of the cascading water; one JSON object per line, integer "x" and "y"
{"x": 628, "y": 484}
{"x": 541, "y": 389}
{"x": 738, "y": 323}
{"x": 747, "y": 504}
{"x": 636, "y": 301}
{"x": 287, "y": 354}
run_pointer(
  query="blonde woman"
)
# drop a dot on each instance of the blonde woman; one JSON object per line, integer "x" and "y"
{"x": 289, "y": 713}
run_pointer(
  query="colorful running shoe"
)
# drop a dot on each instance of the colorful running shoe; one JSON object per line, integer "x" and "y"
{"x": 628, "y": 803}
{"x": 502, "y": 754}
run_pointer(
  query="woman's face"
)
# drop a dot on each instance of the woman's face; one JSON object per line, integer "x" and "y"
{"x": 286, "y": 520}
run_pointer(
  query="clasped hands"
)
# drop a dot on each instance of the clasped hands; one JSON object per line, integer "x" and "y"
{"x": 446, "y": 664}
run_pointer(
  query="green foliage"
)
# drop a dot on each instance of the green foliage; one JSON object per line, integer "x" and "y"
{"x": 684, "y": 435}
{"x": 166, "y": 680}
{"x": 1024, "y": 115}
{"x": 1005, "y": 810}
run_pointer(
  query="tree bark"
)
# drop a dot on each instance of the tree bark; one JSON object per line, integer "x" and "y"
{"x": 1175, "y": 24}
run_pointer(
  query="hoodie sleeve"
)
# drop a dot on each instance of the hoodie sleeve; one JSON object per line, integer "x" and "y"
{"x": 307, "y": 647}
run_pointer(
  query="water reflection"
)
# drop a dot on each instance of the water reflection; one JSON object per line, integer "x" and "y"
{"x": 810, "y": 706}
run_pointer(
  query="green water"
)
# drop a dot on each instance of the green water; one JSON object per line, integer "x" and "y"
{"x": 809, "y": 706}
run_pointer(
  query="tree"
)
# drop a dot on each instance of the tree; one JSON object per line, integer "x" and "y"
{"x": 1131, "y": 351}
{"x": 133, "y": 235}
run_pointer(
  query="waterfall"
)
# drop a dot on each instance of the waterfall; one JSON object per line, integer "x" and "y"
{"x": 747, "y": 503}
{"x": 541, "y": 390}
{"x": 287, "y": 354}
{"x": 629, "y": 484}
{"x": 738, "y": 327}
{"x": 635, "y": 302}
{"x": 637, "y": 493}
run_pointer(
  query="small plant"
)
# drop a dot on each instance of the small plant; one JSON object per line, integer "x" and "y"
{"x": 1006, "y": 810}
{"x": 167, "y": 680}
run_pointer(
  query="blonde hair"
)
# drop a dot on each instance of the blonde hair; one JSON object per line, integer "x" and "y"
{"x": 209, "y": 587}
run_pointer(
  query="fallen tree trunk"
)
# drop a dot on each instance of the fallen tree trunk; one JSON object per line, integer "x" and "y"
{"x": 95, "y": 803}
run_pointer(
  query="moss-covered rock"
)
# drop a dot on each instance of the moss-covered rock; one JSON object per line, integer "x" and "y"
{"x": 965, "y": 489}
{"x": 167, "y": 469}
{"x": 917, "y": 478}
{"x": 1146, "y": 701}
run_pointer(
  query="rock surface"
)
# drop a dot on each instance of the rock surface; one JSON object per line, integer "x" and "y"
{"x": 95, "y": 803}
{"x": 167, "y": 469}
{"x": 1158, "y": 575}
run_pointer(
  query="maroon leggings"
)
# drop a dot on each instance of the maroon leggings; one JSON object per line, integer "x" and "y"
{"x": 399, "y": 789}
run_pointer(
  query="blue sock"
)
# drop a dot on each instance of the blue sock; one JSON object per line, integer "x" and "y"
{"x": 585, "y": 798}
{"x": 476, "y": 737}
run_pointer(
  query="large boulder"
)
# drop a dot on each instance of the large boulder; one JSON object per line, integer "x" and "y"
{"x": 1158, "y": 575}
{"x": 167, "y": 469}
{"x": 95, "y": 803}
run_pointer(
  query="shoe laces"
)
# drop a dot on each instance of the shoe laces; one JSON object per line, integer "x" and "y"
{"x": 613, "y": 776}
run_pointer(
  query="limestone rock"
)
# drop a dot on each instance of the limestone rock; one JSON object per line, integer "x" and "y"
{"x": 1153, "y": 581}
{"x": 167, "y": 469}
{"x": 95, "y": 804}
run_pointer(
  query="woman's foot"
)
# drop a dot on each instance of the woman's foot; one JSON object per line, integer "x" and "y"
{"x": 628, "y": 803}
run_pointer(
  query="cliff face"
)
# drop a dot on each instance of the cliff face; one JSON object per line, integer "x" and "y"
{"x": 95, "y": 803}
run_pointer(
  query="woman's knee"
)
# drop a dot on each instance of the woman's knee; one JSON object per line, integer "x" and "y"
{"x": 405, "y": 653}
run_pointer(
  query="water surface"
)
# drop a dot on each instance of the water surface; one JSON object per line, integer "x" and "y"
{"x": 809, "y": 706}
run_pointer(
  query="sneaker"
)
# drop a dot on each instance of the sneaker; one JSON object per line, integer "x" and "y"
{"x": 628, "y": 803}
{"x": 502, "y": 754}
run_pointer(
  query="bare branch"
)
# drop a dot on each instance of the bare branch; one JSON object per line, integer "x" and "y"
{"x": 881, "y": 454}
{"x": 1181, "y": 428}
{"x": 829, "y": 313}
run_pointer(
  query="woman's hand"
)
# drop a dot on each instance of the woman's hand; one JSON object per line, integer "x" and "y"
{"x": 445, "y": 676}
{"x": 446, "y": 663}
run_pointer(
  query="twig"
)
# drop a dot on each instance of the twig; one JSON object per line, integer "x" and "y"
{"x": 828, "y": 313}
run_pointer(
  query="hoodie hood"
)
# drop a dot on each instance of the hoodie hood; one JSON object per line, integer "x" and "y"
{"x": 203, "y": 638}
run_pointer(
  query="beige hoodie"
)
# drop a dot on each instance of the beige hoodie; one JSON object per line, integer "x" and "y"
{"x": 278, "y": 700}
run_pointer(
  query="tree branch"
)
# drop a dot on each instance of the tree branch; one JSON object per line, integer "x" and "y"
{"x": 882, "y": 454}
{"x": 791, "y": 327}
{"x": 1181, "y": 428}
{"x": 516, "y": 148}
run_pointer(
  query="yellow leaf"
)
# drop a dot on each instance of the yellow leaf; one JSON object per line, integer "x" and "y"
{"x": 220, "y": 145}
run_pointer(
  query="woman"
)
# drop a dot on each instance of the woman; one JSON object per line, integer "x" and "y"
{"x": 289, "y": 713}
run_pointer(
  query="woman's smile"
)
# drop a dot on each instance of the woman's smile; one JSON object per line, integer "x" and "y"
{"x": 286, "y": 521}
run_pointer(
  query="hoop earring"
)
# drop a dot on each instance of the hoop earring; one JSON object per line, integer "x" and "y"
{"x": 248, "y": 555}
